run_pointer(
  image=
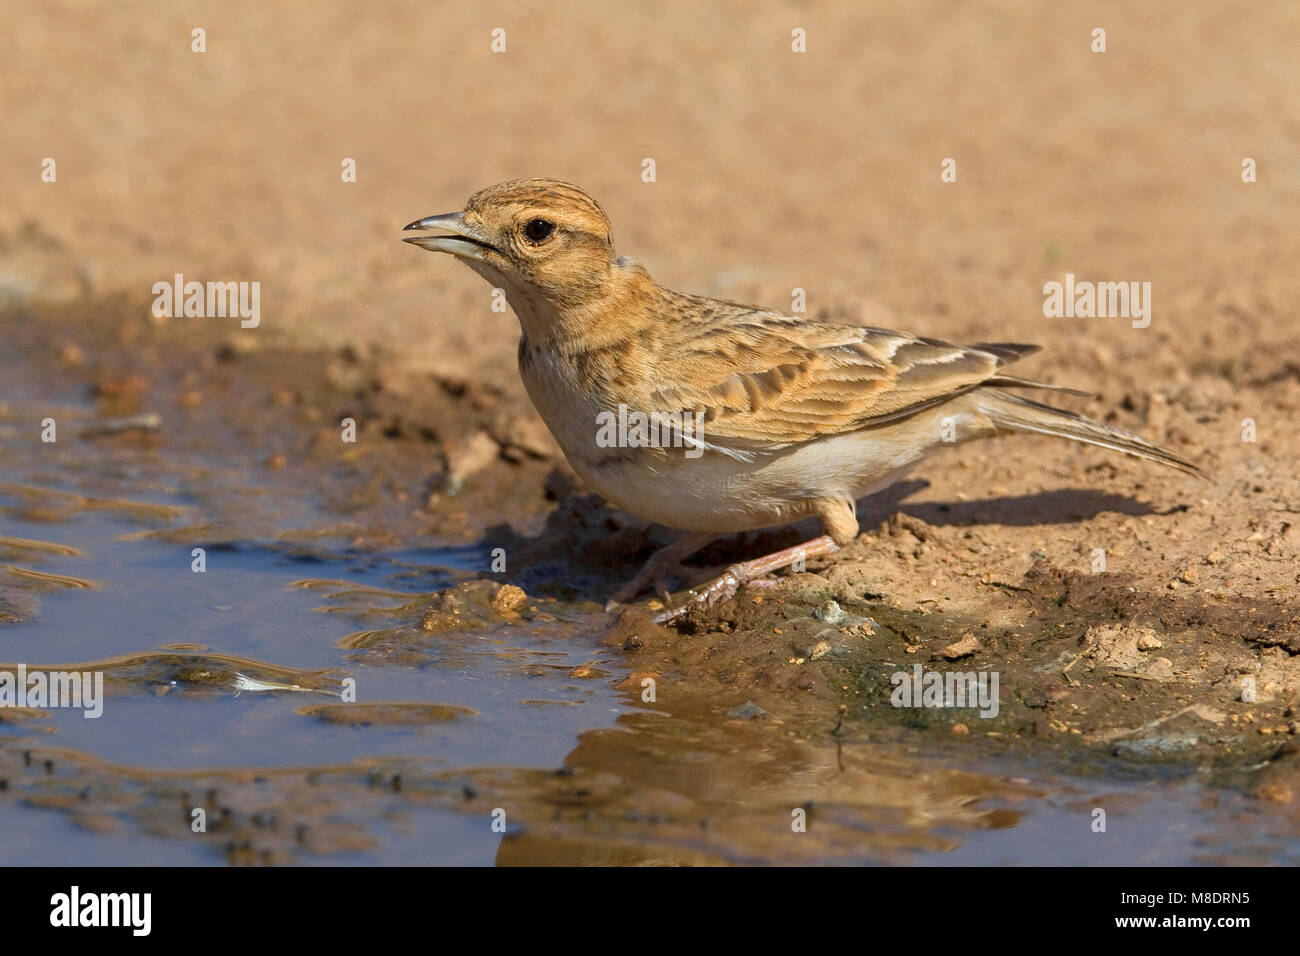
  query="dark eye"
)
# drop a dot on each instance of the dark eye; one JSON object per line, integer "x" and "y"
{"x": 539, "y": 230}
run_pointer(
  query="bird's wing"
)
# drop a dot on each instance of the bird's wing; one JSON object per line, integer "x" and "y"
{"x": 763, "y": 381}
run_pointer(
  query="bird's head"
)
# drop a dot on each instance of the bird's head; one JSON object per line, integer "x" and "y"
{"x": 546, "y": 242}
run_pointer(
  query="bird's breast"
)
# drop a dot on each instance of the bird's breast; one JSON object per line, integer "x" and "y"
{"x": 569, "y": 400}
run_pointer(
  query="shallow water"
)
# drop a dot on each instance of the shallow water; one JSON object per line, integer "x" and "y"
{"x": 454, "y": 728}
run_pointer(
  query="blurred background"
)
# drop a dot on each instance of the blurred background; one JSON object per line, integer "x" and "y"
{"x": 775, "y": 170}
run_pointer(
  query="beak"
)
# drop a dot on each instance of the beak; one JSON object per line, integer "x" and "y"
{"x": 465, "y": 243}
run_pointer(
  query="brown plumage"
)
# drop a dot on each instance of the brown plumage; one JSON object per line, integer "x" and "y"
{"x": 789, "y": 417}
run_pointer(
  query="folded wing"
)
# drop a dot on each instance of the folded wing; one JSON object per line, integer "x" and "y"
{"x": 782, "y": 381}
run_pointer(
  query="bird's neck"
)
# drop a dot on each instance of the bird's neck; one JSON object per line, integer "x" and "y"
{"x": 608, "y": 316}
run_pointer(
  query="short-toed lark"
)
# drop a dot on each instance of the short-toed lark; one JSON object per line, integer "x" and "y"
{"x": 774, "y": 418}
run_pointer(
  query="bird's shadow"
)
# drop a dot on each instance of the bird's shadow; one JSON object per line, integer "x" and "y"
{"x": 584, "y": 548}
{"x": 1059, "y": 506}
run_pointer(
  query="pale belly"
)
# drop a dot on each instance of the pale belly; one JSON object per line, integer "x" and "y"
{"x": 717, "y": 493}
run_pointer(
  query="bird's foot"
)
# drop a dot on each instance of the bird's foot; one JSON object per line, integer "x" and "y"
{"x": 663, "y": 564}
{"x": 750, "y": 573}
{"x": 647, "y": 576}
{"x": 721, "y": 588}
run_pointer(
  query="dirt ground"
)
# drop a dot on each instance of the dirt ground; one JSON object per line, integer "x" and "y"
{"x": 774, "y": 171}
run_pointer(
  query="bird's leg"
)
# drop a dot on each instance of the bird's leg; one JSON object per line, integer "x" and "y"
{"x": 663, "y": 561}
{"x": 721, "y": 588}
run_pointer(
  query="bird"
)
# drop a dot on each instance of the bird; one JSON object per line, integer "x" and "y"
{"x": 715, "y": 417}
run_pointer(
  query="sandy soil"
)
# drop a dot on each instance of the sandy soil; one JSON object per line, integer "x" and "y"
{"x": 775, "y": 171}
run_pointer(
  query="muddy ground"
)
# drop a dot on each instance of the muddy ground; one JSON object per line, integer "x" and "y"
{"x": 775, "y": 170}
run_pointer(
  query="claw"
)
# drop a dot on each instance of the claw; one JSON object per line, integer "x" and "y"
{"x": 747, "y": 572}
{"x": 720, "y": 589}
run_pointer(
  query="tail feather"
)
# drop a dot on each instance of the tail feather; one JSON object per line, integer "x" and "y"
{"x": 1012, "y": 381}
{"x": 1014, "y": 413}
{"x": 1007, "y": 351}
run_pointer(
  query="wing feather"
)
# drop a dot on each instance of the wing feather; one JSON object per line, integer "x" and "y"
{"x": 763, "y": 381}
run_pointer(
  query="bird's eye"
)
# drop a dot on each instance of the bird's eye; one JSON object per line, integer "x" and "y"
{"x": 539, "y": 230}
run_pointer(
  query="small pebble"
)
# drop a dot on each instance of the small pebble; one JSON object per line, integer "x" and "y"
{"x": 820, "y": 649}
{"x": 747, "y": 711}
{"x": 509, "y": 599}
{"x": 968, "y": 644}
{"x": 1160, "y": 667}
{"x": 829, "y": 613}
